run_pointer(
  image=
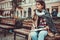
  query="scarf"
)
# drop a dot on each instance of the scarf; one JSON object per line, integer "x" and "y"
{"x": 40, "y": 13}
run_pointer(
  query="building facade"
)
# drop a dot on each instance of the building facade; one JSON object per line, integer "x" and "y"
{"x": 6, "y": 7}
{"x": 28, "y": 7}
{"x": 26, "y": 10}
{"x": 53, "y": 4}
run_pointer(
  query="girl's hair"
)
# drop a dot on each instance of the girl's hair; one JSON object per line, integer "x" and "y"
{"x": 42, "y": 3}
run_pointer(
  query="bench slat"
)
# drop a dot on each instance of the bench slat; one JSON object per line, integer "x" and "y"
{"x": 23, "y": 31}
{"x": 5, "y": 26}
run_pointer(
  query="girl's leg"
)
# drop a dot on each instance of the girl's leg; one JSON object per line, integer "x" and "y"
{"x": 34, "y": 35}
{"x": 42, "y": 35}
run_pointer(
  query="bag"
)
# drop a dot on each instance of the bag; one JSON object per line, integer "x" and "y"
{"x": 50, "y": 33}
{"x": 18, "y": 24}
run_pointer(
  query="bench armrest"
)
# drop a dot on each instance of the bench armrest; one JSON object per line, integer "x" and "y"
{"x": 33, "y": 26}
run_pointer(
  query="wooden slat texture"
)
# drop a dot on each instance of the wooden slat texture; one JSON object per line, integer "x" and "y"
{"x": 5, "y": 26}
{"x": 23, "y": 31}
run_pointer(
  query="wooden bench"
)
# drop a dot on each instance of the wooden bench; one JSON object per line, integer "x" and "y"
{"x": 7, "y": 24}
{"x": 25, "y": 30}
{"x": 57, "y": 25}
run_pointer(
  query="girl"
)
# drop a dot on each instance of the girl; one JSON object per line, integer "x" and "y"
{"x": 42, "y": 22}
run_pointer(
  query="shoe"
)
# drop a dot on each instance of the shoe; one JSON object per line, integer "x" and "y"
{"x": 57, "y": 34}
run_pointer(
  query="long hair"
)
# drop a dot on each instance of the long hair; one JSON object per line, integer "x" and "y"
{"x": 42, "y": 3}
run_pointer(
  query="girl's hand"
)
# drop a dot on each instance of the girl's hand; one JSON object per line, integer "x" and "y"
{"x": 46, "y": 28}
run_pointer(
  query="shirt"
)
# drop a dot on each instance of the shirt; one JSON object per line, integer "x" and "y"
{"x": 42, "y": 22}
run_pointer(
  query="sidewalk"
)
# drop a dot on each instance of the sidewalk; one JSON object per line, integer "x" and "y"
{"x": 9, "y": 36}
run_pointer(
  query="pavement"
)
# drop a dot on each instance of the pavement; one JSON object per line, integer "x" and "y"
{"x": 10, "y": 36}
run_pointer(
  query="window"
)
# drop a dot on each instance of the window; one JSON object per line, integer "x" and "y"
{"x": 24, "y": 13}
{"x": 17, "y": 13}
{"x": 5, "y": 5}
{"x": 21, "y": 14}
{"x": 1, "y": 12}
{"x": 29, "y": 12}
{"x": 55, "y": 7}
{"x": 2, "y": 6}
{"x": 29, "y": 1}
{"x": 47, "y": 9}
{"x": 23, "y": 1}
{"x": 10, "y": 4}
{"x": 34, "y": 0}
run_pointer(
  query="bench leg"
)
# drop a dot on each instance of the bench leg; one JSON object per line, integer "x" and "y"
{"x": 14, "y": 36}
{"x": 26, "y": 37}
{"x": 4, "y": 33}
{"x": 29, "y": 37}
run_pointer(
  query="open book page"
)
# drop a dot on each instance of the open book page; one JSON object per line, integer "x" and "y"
{"x": 37, "y": 29}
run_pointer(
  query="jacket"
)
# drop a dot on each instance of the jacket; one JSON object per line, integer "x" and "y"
{"x": 49, "y": 21}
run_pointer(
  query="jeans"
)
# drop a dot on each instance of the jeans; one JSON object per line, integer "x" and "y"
{"x": 38, "y": 35}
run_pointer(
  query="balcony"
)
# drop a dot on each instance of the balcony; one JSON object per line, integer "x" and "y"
{"x": 55, "y": 0}
{"x": 52, "y": 1}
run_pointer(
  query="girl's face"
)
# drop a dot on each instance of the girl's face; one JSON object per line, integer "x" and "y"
{"x": 39, "y": 6}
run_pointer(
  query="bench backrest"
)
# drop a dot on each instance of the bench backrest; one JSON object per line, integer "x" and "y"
{"x": 7, "y": 21}
{"x": 57, "y": 25}
{"x": 27, "y": 24}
